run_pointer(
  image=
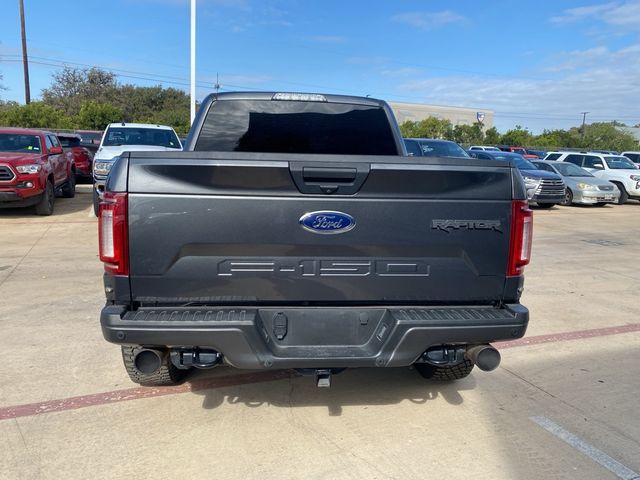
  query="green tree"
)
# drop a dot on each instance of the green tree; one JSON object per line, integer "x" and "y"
{"x": 517, "y": 136}
{"x": 34, "y": 115}
{"x": 72, "y": 87}
{"x": 607, "y": 137}
{"x": 492, "y": 136}
{"x": 96, "y": 116}
{"x": 430, "y": 127}
{"x": 555, "y": 139}
{"x": 468, "y": 134}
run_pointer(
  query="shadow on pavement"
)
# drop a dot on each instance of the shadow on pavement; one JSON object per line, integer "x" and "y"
{"x": 355, "y": 387}
{"x": 62, "y": 206}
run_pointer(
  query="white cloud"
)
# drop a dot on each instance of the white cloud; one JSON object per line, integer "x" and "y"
{"x": 597, "y": 80}
{"x": 428, "y": 20}
{"x": 622, "y": 14}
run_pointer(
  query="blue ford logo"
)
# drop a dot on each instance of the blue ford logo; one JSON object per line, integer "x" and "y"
{"x": 327, "y": 222}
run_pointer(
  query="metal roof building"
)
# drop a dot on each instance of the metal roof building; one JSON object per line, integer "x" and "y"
{"x": 456, "y": 115}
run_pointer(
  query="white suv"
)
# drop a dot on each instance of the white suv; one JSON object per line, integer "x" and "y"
{"x": 128, "y": 137}
{"x": 633, "y": 156}
{"x": 619, "y": 170}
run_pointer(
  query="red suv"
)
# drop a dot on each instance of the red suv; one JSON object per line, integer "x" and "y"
{"x": 82, "y": 157}
{"x": 33, "y": 168}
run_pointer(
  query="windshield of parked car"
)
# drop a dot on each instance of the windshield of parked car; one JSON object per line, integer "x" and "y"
{"x": 570, "y": 170}
{"x": 283, "y": 126}
{"x": 15, "y": 142}
{"x": 117, "y": 136}
{"x": 620, "y": 163}
{"x": 441, "y": 149}
{"x": 68, "y": 142}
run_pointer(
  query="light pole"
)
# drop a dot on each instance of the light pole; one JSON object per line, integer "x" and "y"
{"x": 25, "y": 60}
{"x": 193, "y": 59}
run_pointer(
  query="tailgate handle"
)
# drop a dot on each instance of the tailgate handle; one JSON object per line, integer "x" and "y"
{"x": 330, "y": 178}
{"x": 328, "y": 175}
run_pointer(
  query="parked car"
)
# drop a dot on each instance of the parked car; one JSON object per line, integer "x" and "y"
{"x": 265, "y": 246}
{"x": 582, "y": 187}
{"x": 620, "y": 171}
{"x": 633, "y": 156}
{"x": 545, "y": 189}
{"x": 540, "y": 154}
{"x": 91, "y": 137}
{"x": 33, "y": 168}
{"x": 128, "y": 137}
{"x": 518, "y": 150}
{"x": 431, "y": 147}
{"x": 487, "y": 148}
{"x": 82, "y": 157}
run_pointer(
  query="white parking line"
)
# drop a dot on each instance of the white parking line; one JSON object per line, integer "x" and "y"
{"x": 617, "y": 468}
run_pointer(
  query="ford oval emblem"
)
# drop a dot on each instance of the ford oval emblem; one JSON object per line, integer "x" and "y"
{"x": 327, "y": 222}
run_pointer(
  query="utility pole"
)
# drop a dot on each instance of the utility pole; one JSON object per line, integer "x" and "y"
{"x": 584, "y": 117}
{"x": 25, "y": 59}
{"x": 193, "y": 59}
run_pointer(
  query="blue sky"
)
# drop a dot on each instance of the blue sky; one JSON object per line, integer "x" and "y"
{"x": 537, "y": 64}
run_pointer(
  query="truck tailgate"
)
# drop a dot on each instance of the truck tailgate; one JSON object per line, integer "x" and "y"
{"x": 225, "y": 229}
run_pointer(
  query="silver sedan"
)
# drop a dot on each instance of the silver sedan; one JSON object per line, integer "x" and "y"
{"x": 582, "y": 186}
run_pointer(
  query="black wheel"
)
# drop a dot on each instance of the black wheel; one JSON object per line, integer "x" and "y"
{"x": 69, "y": 188}
{"x": 45, "y": 206}
{"x": 624, "y": 196}
{"x": 568, "y": 197}
{"x": 444, "y": 373}
{"x": 96, "y": 202}
{"x": 546, "y": 205}
{"x": 167, "y": 374}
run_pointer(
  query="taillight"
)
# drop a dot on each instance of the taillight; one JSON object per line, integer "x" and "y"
{"x": 521, "y": 236}
{"x": 112, "y": 233}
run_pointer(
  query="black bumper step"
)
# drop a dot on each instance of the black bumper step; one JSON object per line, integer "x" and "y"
{"x": 300, "y": 337}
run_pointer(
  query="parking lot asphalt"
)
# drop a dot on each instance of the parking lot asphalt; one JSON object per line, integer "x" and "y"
{"x": 563, "y": 403}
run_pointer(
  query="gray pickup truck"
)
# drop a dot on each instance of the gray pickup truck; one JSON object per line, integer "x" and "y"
{"x": 295, "y": 232}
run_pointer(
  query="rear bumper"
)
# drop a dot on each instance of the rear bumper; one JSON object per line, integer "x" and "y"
{"x": 314, "y": 337}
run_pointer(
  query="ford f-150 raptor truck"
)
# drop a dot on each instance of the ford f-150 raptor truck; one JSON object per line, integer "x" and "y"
{"x": 295, "y": 232}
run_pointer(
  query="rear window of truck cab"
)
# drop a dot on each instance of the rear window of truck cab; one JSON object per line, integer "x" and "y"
{"x": 277, "y": 126}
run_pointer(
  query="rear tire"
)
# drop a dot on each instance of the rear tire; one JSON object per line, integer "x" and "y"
{"x": 166, "y": 375}
{"x": 45, "y": 206}
{"x": 69, "y": 188}
{"x": 445, "y": 373}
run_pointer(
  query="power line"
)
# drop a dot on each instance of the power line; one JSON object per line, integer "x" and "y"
{"x": 183, "y": 81}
